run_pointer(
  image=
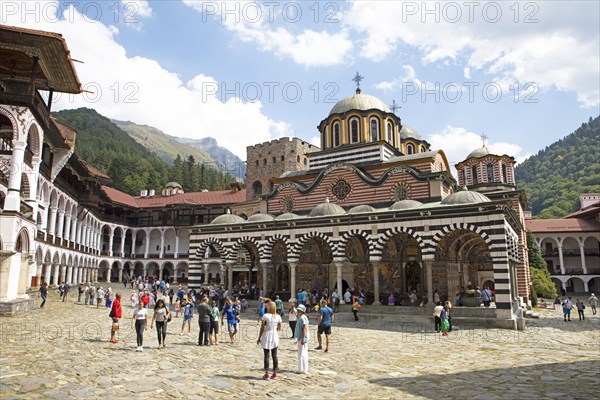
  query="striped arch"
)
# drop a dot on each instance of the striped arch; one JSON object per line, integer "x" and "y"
{"x": 34, "y": 137}
{"x": 387, "y": 235}
{"x": 239, "y": 246}
{"x": 268, "y": 248}
{"x": 340, "y": 251}
{"x": 469, "y": 227}
{"x": 295, "y": 252}
{"x": 13, "y": 122}
{"x": 217, "y": 244}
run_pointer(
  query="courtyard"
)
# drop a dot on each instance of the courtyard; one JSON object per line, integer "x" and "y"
{"x": 62, "y": 351}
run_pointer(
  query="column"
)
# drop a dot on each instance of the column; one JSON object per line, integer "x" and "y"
{"x": 69, "y": 271}
{"x": 110, "y": 243}
{"x": 13, "y": 197}
{"x": 429, "y": 277}
{"x": 38, "y": 274}
{"x": 206, "y": 274}
{"x": 293, "y": 265}
{"x": 160, "y": 272}
{"x": 562, "y": 261}
{"x": 376, "y": 295}
{"x": 133, "y": 240}
{"x": 503, "y": 291}
{"x": 63, "y": 273}
{"x": 61, "y": 224}
{"x": 56, "y": 274}
{"x": 47, "y": 273}
{"x": 582, "y": 254}
{"x": 67, "y": 233}
{"x": 120, "y": 274}
{"x": 585, "y": 286}
{"x": 264, "y": 278}
{"x": 230, "y": 277}
{"x": 52, "y": 224}
{"x": 162, "y": 244}
{"x": 176, "y": 244}
{"x": 123, "y": 245}
{"x": 73, "y": 230}
{"x": 147, "y": 239}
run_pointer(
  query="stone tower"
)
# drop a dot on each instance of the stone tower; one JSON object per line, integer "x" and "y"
{"x": 269, "y": 160}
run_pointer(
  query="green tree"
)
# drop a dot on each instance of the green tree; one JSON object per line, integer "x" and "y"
{"x": 538, "y": 269}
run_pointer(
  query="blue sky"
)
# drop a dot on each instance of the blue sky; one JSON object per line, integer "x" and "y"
{"x": 523, "y": 73}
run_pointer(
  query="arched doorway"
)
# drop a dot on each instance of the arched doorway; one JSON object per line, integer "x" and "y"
{"x": 461, "y": 257}
{"x": 313, "y": 266}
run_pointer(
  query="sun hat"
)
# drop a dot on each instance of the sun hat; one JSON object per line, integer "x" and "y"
{"x": 301, "y": 308}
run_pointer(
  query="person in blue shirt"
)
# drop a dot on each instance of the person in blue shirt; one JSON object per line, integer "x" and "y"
{"x": 324, "y": 324}
{"x": 230, "y": 310}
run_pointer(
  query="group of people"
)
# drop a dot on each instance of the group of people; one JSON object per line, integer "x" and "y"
{"x": 442, "y": 317}
{"x": 567, "y": 305}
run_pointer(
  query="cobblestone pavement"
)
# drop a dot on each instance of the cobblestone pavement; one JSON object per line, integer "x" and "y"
{"x": 62, "y": 351}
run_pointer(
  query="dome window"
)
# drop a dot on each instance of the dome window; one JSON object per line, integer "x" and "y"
{"x": 504, "y": 174}
{"x": 336, "y": 134}
{"x": 474, "y": 173}
{"x": 354, "y": 131}
{"x": 490, "y": 173}
{"x": 410, "y": 149}
{"x": 274, "y": 160}
{"x": 325, "y": 138}
{"x": 422, "y": 149}
{"x": 374, "y": 129}
{"x": 390, "y": 134}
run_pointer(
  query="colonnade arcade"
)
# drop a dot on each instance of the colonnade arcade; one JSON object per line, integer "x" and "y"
{"x": 120, "y": 270}
{"x": 398, "y": 261}
{"x": 55, "y": 267}
{"x": 164, "y": 242}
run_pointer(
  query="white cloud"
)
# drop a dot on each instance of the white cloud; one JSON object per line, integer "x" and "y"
{"x": 139, "y": 89}
{"x": 560, "y": 50}
{"x": 255, "y": 22}
{"x": 457, "y": 143}
{"x": 137, "y": 8}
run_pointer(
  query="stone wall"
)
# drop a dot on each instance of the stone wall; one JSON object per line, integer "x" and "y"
{"x": 269, "y": 160}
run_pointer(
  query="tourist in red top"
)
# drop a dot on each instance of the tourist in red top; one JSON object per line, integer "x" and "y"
{"x": 145, "y": 299}
{"x": 116, "y": 314}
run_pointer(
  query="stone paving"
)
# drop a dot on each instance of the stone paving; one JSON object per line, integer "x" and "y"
{"x": 62, "y": 351}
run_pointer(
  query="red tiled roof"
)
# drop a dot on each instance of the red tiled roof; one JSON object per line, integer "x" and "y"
{"x": 195, "y": 198}
{"x": 562, "y": 225}
{"x": 589, "y": 211}
{"x": 67, "y": 132}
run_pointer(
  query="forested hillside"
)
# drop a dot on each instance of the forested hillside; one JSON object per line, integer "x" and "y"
{"x": 556, "y": 175}
{"x": 130, "y": 165}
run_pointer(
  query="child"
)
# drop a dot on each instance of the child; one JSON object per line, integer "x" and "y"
{"x": 188, "y": 315}
{"x": 177, "y": 307}
{"x": 355, "y": 308}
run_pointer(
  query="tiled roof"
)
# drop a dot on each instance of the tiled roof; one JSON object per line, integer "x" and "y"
{"x": 589, "y": 211}
{"x": 562, "y": 225}
{"x": 67, "y": 132}
{"x": 195, "y": 198}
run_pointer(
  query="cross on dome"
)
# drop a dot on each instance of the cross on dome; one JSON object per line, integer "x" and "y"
{"x": 357, "y": 78}
{"x": 483, "y": 139}
{"x": 394, "y": 106}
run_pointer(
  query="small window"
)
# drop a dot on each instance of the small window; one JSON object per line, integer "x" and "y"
{"x": 305, "y": 161}
{"x": 474, "y": 173}
{"x": 282, "y": 158}
{"x": 490, "y": 173}
{"x": 390, "y": 133}
{"x": 257, "y": 163}
{"x": 264, "y": 161}
{"x": 504, "y": 174}
{"x": 274, "y": 160}
{"x": 422, "y": 149}
{"x": 354, "y": 131}
{"x": 410, "y": 149}
{"x": 374, "y": 130}
{"x": 336, "y": 134}
{"x": 298, "y": 159}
